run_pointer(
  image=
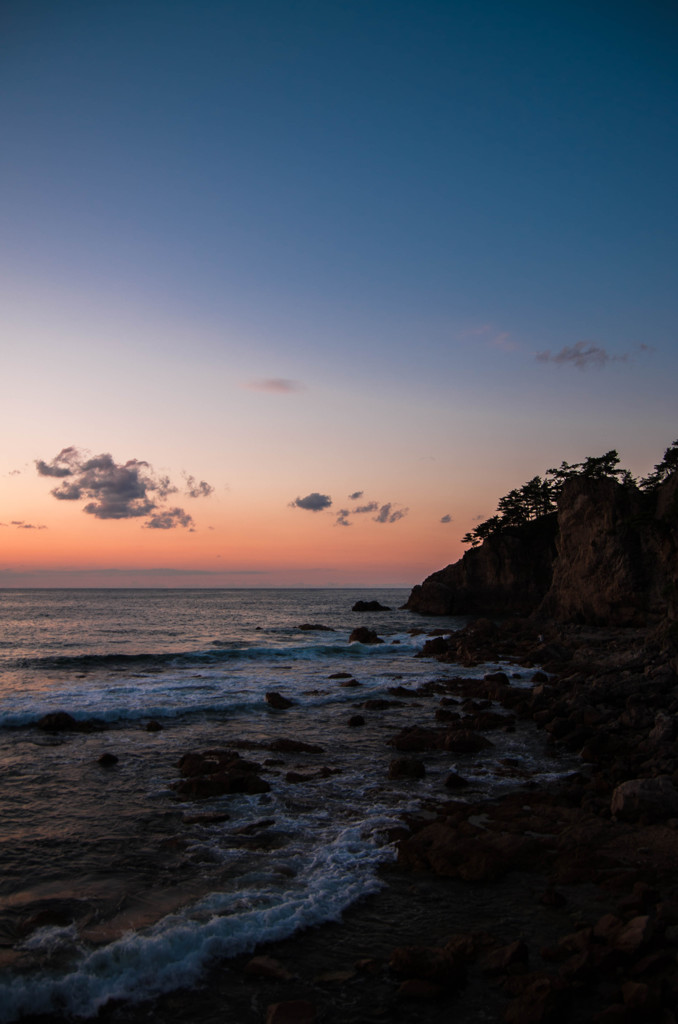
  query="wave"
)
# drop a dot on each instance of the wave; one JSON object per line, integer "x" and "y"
{"x": 214, "y": 656}
{"x": 175, "y": 952}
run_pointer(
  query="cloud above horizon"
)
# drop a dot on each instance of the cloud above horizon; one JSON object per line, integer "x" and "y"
{"x": 313, "y": 502}
{"x": 275, "y": 385}
{"x": 446, "y": 518}
{"x": 129, "y": 490}
{"x": 385, "y": 513}
{"x": 21, "y": 525}
{"x": 584, "y": 354}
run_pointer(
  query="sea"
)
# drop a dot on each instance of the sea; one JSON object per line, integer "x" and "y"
{"x": 112, "y": 886}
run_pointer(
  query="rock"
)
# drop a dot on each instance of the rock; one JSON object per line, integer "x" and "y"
{"x": 107, "y": 760}
{"x": 215, "y": 773}
{"x": 634, "y": 935}
{"x": 153, "y": 726}
{"x": 369, "y": 606}
{"x": 406, "y": 768}
{"x": 267, "y": 967}
{"x": 356, "y": 720}
{"x": 501, "y": 960}
{"x": 419, "y": 988}
{"x": 61, "y": 721}
{"x": 280, "y": 703}
{"x": 608, "y": 556}
{"x": 455, "y": 781}
{"x": 656, "y": 799}
{"x": 340, "y": 675}
{"x": 285, "y": 745}
{"x": 363, "y": 635}
{"x": 296, "y": 1011}
{"x": 428, "y": 963}
{"x": 541, "y": 1001}
{"x": 308, "y": 626}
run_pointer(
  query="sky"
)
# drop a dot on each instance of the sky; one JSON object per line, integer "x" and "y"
{"x": 293, "y": 291}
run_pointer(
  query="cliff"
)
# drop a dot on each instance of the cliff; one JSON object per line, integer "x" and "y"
{"x": 609, "y": 556}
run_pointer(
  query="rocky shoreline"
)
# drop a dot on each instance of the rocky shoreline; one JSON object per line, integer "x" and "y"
{"x": 551, "y": 903}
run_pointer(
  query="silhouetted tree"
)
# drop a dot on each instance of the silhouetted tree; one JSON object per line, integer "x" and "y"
{"x": 668, "y": 465}
{"x": 539, "y": 497}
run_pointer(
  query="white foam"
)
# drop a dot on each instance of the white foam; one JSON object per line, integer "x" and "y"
{"x": 176, "y": 951}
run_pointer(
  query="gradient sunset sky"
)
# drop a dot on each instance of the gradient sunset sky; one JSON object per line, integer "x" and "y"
{"x": 294, "y": 290}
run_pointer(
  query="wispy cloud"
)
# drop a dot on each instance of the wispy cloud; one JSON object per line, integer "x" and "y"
{"x": 313, "y": 502}
{"x": 488, "y": 334}
{"x": 197, "y": 490}
{"x": 21, "y": 525}
{"x": 355, "y": 496}
{"x": 129, "y": 490}
{"x": 387, "y": 514}
{"x": 275, "y": 385}
{"x": 585, "y": 354}
{"x": 446, "y": 518}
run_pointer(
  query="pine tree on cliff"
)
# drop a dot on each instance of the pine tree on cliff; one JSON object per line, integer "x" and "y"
{"x": 666, "y": 467}
{"x": 539, "y": 497}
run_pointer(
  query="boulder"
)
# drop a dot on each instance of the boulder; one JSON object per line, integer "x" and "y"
{"x": 215, "y": 773}
{"x": 277, "y": 701}
{"x": 61, "y": 721}
{"x": 406, "y": 768}
{"x": 309, "y": 626}
{"x": 363, "y": 635}
{"x": 656, "y": 799}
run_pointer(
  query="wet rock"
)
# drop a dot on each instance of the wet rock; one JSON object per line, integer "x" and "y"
{"x": 277, "y": 701}
{"x": 428, "y": 963}
{"x": 340, "y": 675}
{"x": 153, "y": 726}
{"x": 406, "y": 768}
{"x": 350, "y": 683}
{"x": 267, "y": 967}
{"x": 369, "y": 606}
{"x": 309, "y": 626}
{"x": 107, "y": 760}
{"x": 455, "y": 781}
{"x": 61, "y": 721}
{"x": 215, "y": 773}
{"x": 363, "y": 635}
{"x": 356, "y": 720}
{"x": 296, "y": 1011}
{"x": 380, "y": 704}
{"x": 285, "y": 745}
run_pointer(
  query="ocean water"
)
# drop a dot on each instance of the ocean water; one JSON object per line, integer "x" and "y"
{"x": 113, "y": 888}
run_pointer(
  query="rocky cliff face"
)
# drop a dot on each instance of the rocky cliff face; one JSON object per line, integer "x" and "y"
{"x": 608, "y": 557}
{"x": 509, "y": 573}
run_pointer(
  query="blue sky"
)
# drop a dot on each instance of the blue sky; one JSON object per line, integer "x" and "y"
{"x": 397, "y": 207}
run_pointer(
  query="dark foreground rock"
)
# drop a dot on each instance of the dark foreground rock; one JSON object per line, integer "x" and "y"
{"x": 363, "y": 635}
{"x": 217, "y": 772}
{"x": 61, "y": 721}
